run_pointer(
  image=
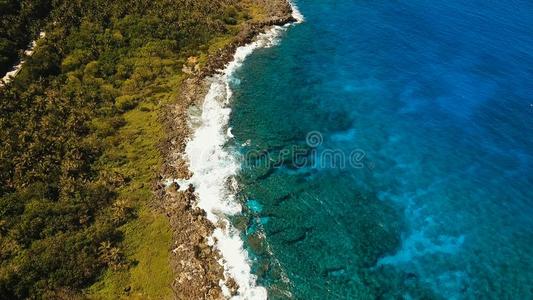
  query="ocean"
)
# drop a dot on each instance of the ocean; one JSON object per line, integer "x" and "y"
{"x": 382, "y": 149}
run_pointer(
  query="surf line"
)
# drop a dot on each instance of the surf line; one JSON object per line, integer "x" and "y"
{"x": 213, "y": 167}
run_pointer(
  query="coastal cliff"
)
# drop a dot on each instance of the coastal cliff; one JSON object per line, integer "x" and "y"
{"x": 195, "y": 261}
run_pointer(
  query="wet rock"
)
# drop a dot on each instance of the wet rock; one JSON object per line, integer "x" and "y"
{"x": 232, "y": 286}
{"x": 257, "y": 244}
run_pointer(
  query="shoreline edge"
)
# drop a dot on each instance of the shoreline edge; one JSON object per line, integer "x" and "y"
{"x": 208, "y": 258}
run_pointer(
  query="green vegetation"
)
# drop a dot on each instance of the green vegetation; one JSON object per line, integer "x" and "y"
{"x": 79, "y": 128}
{"x": 20, "y": 21}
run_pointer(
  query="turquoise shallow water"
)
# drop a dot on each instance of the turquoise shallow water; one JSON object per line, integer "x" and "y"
{"x": 415, "y": 181}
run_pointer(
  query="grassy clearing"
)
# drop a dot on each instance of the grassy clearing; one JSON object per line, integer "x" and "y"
{"x": 254, "y": 11}
{"x": 148, "y": 238}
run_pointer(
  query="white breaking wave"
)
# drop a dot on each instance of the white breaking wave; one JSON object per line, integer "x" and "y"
{"x": 16, "y": 69}
{"x": 296, "y": 14}
{"x": 214, "y": 169}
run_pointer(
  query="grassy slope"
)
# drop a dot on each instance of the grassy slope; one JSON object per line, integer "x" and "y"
{"x": 148, "y": 238}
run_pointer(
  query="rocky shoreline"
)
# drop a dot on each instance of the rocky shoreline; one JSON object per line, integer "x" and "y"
{"x": 195, "y": 263}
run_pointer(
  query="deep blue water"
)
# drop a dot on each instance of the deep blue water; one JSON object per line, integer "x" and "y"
{"x": 436, "y": 101}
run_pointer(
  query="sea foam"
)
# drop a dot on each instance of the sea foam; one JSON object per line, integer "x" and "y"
{"x": 214, "y": 169}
